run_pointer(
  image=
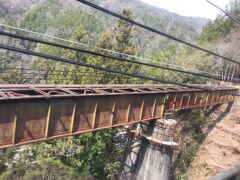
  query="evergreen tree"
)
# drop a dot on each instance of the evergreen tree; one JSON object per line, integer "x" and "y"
{"x": 121, "y": 39}
{"x": 90, "y": 155}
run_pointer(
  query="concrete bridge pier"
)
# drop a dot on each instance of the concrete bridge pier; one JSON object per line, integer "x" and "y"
{"x": 149, "y": 151}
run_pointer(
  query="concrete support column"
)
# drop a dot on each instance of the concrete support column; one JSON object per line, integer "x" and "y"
{"x": 151, "y": 159}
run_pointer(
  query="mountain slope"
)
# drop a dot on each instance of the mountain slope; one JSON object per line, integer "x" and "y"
{"x": 62, "y": 17}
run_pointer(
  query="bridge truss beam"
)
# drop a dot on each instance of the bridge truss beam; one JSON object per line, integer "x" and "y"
{"x": 42, "y": 112}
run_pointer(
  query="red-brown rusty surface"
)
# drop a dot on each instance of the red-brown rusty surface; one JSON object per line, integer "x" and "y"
{"x": 37, "y": 113}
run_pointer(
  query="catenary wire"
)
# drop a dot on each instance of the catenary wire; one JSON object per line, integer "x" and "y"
{"x": 50, "y": 74}
{"x": 155, "y": 30}
{"x": 4, "y": 69}
{"x": 64, "y": 60}
{"x": 111, "y": 57}
{"x": 103, "y": 49}
{"x": 225, "y": 12}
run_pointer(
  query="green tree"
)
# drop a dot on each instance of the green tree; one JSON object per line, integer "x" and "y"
{"x": 91, "y": 155}
{"x": 71, "y": 74}
{"x": 2, "y": 161}
{"x": 121, "y": 39}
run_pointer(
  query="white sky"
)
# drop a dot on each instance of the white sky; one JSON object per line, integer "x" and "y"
{"x": 197, "y": 8}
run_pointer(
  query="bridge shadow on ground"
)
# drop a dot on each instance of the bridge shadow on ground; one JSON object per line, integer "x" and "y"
{"x": 137, "y": 148}
{"x": 217, "y": 110}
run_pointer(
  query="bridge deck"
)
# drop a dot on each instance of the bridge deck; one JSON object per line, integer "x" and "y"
{"x": 41, "y": 112}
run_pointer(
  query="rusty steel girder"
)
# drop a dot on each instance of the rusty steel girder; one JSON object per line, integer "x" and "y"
{"x": 41, "y": 112}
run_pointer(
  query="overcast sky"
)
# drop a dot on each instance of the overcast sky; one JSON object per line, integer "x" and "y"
{"x": 199, "y": 8}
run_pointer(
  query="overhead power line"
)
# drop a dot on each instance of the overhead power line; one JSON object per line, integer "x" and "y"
{"x": 36, "y": 78}
{"x": 105, "y": 50}
{"x": 225, "y": 12}
{"x": 155, "y": 30}
{"x": 111, "y": 57}
{"x": 16, "y": 75}
{"x": 41, "y": 71}
{"x": 58, "y": 59}
{"x": 53, "y": 73}
{"x": 39, "y": 79}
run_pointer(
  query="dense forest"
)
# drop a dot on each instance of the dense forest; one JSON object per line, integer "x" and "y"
{"x": 98, "y": 155}
{"x": 64, "y": 18}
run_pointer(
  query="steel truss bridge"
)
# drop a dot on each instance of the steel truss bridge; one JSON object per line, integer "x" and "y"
{"x": 33, "y": 113}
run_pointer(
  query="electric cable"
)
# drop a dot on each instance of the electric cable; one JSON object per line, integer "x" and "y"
{"x": 154, "y": 30}
{"x": 226, "y": 13}
{"x": 52, "y": 72}
{"x": 64, "y": 60}
{"x": 109, "y": 56}
{"x": 103, "y": 49}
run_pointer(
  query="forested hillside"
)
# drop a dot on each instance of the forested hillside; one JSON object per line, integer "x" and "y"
{"x": 63, "y": 18}
{"x": 60, "y": 18}
{"x": 98, "y": 155}
{"x": 224, "y": 34}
